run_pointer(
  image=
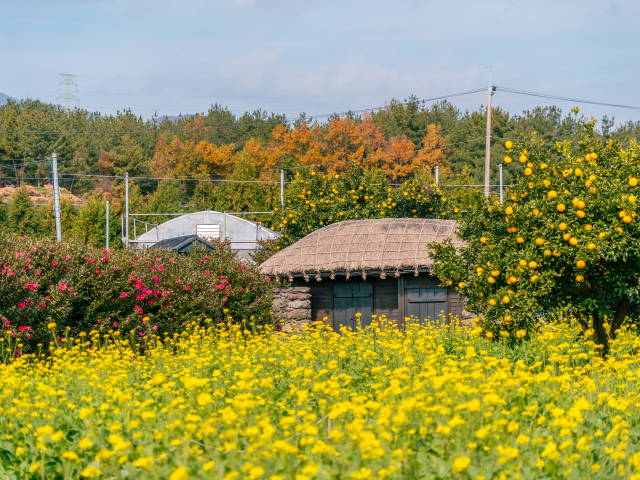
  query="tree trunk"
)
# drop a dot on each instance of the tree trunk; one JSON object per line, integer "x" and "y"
{"x": 621, "y": 313}
{"x": 600, "y": 333}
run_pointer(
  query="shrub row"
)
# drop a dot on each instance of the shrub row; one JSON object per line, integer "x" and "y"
{"x": 82, "y": 287}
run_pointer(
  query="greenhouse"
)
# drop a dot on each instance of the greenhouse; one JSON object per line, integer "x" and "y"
{"x": 209, "y": 225}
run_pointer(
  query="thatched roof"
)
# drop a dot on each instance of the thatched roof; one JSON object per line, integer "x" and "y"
{"x": 360, "y": 247}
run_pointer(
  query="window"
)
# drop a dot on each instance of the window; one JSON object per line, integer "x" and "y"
{"x": 349, "y": 299}
{"x": 208, "y": 231}
{"x": 427, "y": 303}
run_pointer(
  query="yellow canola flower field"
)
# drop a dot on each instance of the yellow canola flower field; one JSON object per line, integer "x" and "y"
{"x": 428, "y": 402}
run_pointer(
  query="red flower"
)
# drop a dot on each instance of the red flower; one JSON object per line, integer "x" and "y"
{"x": 53, "y": 264}
{"x": 124, "y": 295}
{"x": 187, "y": 287}
{"x": 20, "y": 305}
{"x": 63, "y": 286}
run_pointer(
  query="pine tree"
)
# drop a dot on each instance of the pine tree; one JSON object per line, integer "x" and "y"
{"x": 21, "y": 214}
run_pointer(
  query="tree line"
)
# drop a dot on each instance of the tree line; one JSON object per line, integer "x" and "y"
{"x": 215, "y": 159}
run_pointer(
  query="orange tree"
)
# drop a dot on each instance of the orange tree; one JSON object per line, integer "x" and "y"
{"x": 314, "y": 200}
{"x": 565, "y": 241}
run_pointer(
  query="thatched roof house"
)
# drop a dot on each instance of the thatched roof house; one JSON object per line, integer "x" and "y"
{"x": 379, "y": 266}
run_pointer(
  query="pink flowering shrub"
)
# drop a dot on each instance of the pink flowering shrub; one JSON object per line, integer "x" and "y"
{"x": 83, "y": 287}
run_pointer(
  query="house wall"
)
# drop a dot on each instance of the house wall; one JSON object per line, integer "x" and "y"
{"x": 388, "y": 295}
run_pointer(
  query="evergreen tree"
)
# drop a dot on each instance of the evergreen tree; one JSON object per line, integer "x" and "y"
{"x": 21, "y": 218}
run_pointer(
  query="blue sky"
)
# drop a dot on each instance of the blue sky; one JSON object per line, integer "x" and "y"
{"x": 319, "y": 57}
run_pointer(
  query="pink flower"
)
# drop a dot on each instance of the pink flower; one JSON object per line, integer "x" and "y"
{"x": 63, "y": 286}
{"x": 115, "y": 269}
{"x": 226, "y": 299}
{"x": 206, "y": 272}
{"x": 22, "y": 329}
{"x": 97, "y": 272}
{"x": 115, "y": 324}
{"x": 38, "y": 272}
{"x": 187, "y": 287}
{"x": 124, "y": 295}
{"x": 105, "y": 259}
{"x": 53, "y": 264}
{"x": 20, "y": 305}
{"x": 178, "y": 281}
{"x": 99, "y": 321}
{"x": 43, "y": 306}
{"x": 106, "y": 250}
{"x": 91, "y": 260}
{"x": 161, "y": 267}
{"x": 155, "y": 327}
{"x": 157, "y": 259}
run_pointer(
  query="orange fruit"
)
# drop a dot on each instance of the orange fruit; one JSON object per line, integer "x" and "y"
{"x": 566, "y": 237}
{"x": 632, "y": 198}
{"x": 491, "y": 280}
{"x": 489, "y": 335}
{"x": 508, "y": 159}
{"x": 539, "y": 242}
{"x": 622, "y": 214}
{"x": 521, "y": 240}
{"x": 579, "y": 278}
{"x": 591, "y": 246}
{"x": 534, "y": 278}
{"x": 508, "y": 211}
{"x": 533, "y": 264}
{"x": 594, "y": 156}
{"x": 505, "y": 299}
{"x": 449, "y": 283}
{"x": 578, "y": 172}
{"x": 581, "y": 204}
{"x": 580, "y": 213}
{"x": 508, "y": 144}
{"x": 483, "y": 239}
{"x": 492, "y": 302}
{"x": 573, "y": 242}
{"x": 523, "y": 159}
{"x": 528, "y": 171}
{"x": 495, "y": 273}
{"x": 556, "y": 253}
{"x": 601, "y": 234}
{"x": 479, "y": 270}
{"x": 561, "y": 207}
{"x": 633, "y": 182}
{"x": 513, "y": 279}
{"x": 562, "y": 226}
{"x": 543, "y": 166}
{"x": 504, "y": 333}
{"x": 547, "y": 253}
{"x": 626, "y": 219}
{"x": 552, "y": 194}
{"x": 523, "y": 263}
{"x": 536, "y": 212}
{"x": 581, "y": 264}
{"x": 574, "y": 202}
{"x": 461, "y": 285}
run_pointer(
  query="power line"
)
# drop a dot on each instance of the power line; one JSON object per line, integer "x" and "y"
{"x": 564, "y": 99}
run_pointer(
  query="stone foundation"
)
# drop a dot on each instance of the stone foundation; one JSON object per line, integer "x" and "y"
{"x": 292, "y": 305}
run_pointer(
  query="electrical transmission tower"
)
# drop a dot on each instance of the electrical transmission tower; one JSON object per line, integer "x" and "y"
{"x": 67, "y": 81}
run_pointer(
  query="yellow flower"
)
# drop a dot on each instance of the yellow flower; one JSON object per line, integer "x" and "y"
{"x": 90, "y": 472}
{"x": 85, "y": 443}
{"x": 33, "y": 468}
{"x": 69, "y": 455}
{"x": 179, "y": 473}
{"x": 460, "y": 464}
{"x": 143, "y": 462}
{"x": 147, "y": 415}
{"x": 208, "y": 466}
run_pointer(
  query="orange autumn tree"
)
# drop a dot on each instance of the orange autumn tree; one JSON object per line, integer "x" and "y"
{"x": 192, "y": 159}
{"x": 345, "y": 143}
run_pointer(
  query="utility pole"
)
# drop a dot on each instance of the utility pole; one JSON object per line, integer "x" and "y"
{"x": 282, "y": 187}
{"x": 107, "y": 211}
{"x": 56, "y": 195}
{"x": 487, "y": 158}
{"x": 68, "y": 97}
{"x": 501, "y": 192}
{"x": 437, "y": 176}
{"x": 126, "y": 208}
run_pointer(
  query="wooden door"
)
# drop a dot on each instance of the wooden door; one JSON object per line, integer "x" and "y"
{"x": 349, "y": 299}
{"x": 427, "y": 304}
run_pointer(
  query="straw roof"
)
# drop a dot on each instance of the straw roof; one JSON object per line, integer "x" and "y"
{"x": 360, "y": 247}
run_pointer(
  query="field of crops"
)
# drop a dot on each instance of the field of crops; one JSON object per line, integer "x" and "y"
{"x": 430, "y": 403}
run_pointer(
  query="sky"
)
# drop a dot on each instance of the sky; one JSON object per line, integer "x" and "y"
{"x": 285, "y": 56}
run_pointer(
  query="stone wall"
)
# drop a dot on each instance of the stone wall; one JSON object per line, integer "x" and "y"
{"x": 293, "y": 306}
